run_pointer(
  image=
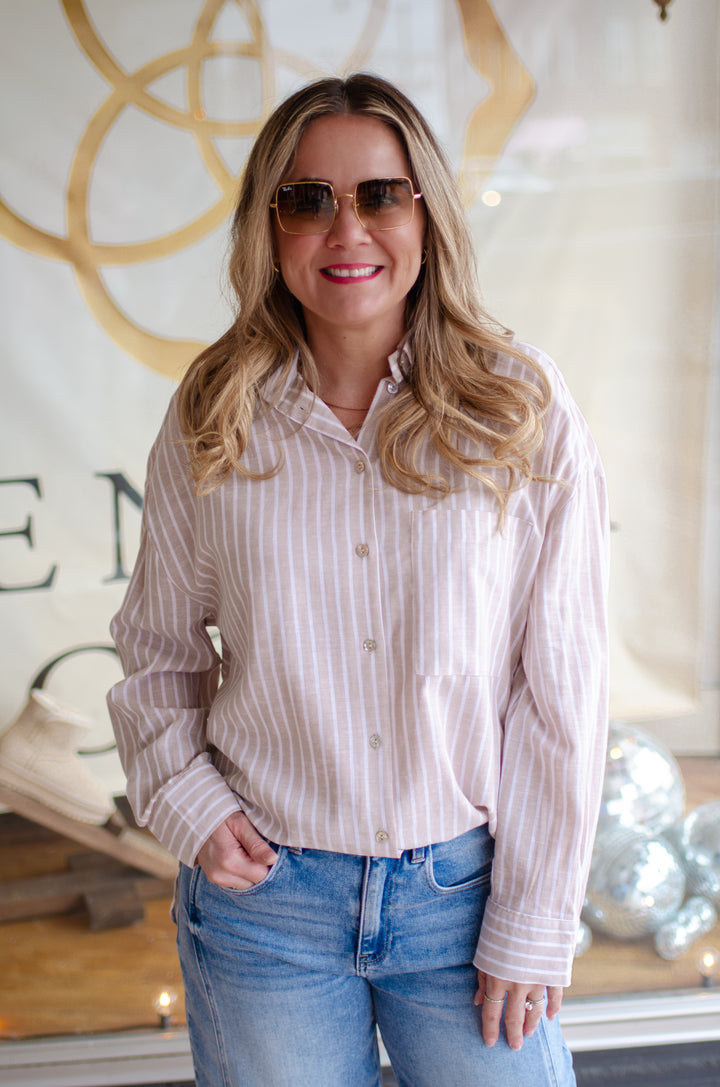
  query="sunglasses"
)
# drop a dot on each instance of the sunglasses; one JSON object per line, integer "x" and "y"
{"x": 310, "y": 207}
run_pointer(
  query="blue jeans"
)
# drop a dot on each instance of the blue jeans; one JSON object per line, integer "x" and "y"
{"x": 287, "y": 981}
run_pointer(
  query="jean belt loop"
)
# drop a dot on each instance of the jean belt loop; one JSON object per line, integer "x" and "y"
{"x": 417, "y": 855}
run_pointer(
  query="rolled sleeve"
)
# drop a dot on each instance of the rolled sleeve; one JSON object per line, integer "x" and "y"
{"x": 554, "y": 744}
{"x": 159, "y": 711}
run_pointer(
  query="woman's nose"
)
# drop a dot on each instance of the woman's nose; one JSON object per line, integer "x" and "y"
{"x": 346, "y": 225}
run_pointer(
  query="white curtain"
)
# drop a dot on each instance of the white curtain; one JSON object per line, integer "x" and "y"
{"x": 585, "y": 135}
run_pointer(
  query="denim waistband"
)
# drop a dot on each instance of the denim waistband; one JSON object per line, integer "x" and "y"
{"x": 415, "y": 854}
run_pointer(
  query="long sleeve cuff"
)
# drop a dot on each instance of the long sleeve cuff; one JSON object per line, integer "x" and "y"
{"x": 519, "y": 947}
{"x": 189, "y": 808}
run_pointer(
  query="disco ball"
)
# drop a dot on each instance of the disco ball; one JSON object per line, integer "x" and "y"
{"x": 699, "y": 844}
{"x": 636, "y": 883}
{"x": 643, "y": 784}
{"x": 691, "y": 922}
{"x": 583, "y": 939}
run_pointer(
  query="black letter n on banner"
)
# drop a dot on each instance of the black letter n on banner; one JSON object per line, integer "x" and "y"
{"x": 120, "y": 487}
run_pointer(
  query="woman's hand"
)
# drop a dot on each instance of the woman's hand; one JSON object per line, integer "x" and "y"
{"x": 519, "y": 1021}
{"x": 235, "y": 855}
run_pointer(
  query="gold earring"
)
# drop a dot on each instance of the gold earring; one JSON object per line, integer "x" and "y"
{"x": 276, "y": 266}
{"x": 424, "y": 256}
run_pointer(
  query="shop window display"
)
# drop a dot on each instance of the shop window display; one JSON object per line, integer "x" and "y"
{"x": 590, "y": 180}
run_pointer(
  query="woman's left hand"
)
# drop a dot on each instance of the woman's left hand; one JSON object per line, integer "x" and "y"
{"x": 520, "y": 1021}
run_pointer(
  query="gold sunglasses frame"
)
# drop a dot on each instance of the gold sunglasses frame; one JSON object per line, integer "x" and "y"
{"x": 336, "y": 201}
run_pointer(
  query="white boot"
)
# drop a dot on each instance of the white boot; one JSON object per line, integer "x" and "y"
{"x": 38, "y": 758}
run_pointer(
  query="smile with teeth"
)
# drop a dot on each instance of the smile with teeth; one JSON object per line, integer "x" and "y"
{"x": 347, "y": 272}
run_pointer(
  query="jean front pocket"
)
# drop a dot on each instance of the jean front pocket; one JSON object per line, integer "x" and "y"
{"x": 201, "y": 884}
{"x": 266, "y": 882}
{"x": 462, "y": 863}
{"x": 464, "y": 566}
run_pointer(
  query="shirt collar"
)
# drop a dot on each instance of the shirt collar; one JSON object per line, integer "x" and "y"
{"x": 284, "y": 384}
{"x": 288, "y": 390}
{"x": 400, "y": 363}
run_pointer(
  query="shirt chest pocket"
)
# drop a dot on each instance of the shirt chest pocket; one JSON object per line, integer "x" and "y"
{"x": 464, "y": 567}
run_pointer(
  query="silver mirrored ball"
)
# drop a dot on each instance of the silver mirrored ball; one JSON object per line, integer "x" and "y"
{"x": 643, "y": 784}
{"x": 636, "y": 883}
{"x": 699, "y": 844}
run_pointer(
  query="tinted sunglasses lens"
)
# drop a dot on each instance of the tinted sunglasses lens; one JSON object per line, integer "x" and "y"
{"x": 305, "y": 207}
{"x": 384, "y": 202}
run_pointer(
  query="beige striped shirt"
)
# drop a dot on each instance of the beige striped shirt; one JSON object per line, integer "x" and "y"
{"x": 396, "y": 669}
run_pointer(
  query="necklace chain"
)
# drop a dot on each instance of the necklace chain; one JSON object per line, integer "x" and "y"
{"x": 342, "y": 407}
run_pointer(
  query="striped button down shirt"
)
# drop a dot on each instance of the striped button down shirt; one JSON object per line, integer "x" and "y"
{"x": 396, "y": 669}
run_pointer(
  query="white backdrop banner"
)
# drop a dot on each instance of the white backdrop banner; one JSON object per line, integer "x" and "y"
{"x": 585, "y": 138}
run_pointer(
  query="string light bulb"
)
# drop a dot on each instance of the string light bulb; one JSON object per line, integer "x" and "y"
{"x": 707, "y": 963}
{"x": 164, "y": 1003}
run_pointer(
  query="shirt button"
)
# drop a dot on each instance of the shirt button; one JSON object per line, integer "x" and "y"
{"x": 362, "y": 551}
{"x": 359, "y": 467}
{"x": 382, "y": 836}
{"x": 369, "y": 645}
{"x": 391, "y": 387}
{"x": 375, "y": 740}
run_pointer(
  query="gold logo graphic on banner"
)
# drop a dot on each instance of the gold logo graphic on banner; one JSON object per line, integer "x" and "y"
{"x": 511, "y": 91}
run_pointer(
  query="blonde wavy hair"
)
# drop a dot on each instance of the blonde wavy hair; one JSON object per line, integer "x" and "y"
{"x": 452, "y": 398}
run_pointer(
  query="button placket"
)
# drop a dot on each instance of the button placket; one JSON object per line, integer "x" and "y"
{"x": 368, "y": 576}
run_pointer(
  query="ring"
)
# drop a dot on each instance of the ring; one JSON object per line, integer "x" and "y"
{"x": 530, "y": 1004}
{"x": 494, "y": 1000}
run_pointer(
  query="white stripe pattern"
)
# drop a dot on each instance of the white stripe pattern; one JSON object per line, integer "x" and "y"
{"x": 396, "y": 669}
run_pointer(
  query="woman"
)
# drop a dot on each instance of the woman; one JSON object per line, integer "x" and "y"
{"x": 395, "y": 517}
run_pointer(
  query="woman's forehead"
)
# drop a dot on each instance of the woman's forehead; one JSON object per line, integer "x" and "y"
{"x": 336, "y": 146}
